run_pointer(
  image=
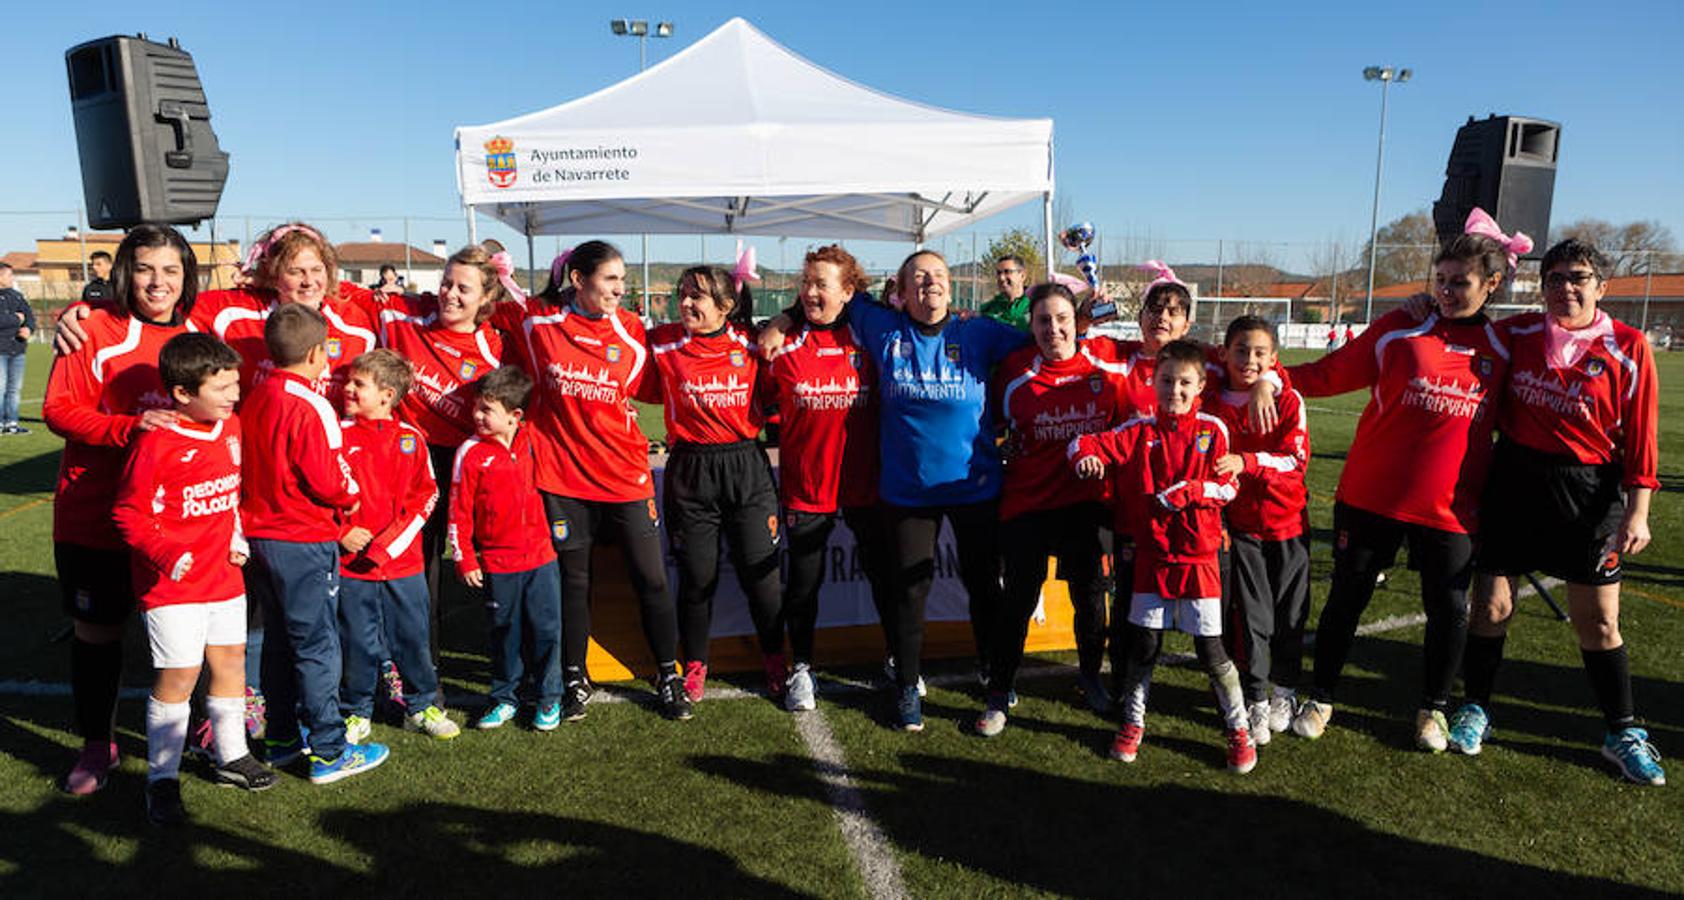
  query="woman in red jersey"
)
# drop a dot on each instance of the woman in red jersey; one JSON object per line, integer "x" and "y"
{"x": 1049, "y": 395}
{"x": 1578, "y": 426}
{"x": 1414, "y": 471}
{"x": 717, "y": 478}
{"x": 825, "y": 386}
{"x": 99, "y": 397}
{"x": 588, "y": 359}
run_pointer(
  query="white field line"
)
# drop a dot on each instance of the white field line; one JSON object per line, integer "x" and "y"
{"x": 872, "y": 854}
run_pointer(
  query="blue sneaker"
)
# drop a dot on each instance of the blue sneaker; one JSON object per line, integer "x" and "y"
{"x": 496, "y": 717}
{"x": 548, "y": 717}
{"x": 1637, "y": 759}
{"x": 1469, "y": 728}
{"x": 280, "y": 754}
{"x": 354, "y": 760}
{"x": 910, "y": 710}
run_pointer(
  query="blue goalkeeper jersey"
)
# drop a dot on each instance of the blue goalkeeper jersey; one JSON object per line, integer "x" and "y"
{"x": 937, "y": 431}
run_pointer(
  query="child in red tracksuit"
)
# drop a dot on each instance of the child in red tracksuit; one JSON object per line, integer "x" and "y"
{"x": 502, "y": 544}
{"x": 296, "y": 483}
{"x": 383, "y": 602}
{"x": 1170, "y": 496}
{"x": 1268, "y": 593}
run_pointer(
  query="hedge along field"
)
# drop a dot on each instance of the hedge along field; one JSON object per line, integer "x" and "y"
{"x": 730, "y": 804}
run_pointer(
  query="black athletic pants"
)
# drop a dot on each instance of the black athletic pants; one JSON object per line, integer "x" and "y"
{"x": 1366, "y": 544}
{"x": 1268, "y": 603}
{"x": 714, "y": 490}
{"x": 808, "y": 534}
{"x": 913, "y": 532}
{"x": 433, "y": 539}
{"x": 574, "y": 527}
{"x": 1072, "y": 533}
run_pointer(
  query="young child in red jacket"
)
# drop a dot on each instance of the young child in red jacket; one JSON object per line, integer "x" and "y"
{"x": 383, "y": 602}
{"x": 1170, "y": 497}
{"x": 501, "y": 540}
{"x": 178, "y": 508}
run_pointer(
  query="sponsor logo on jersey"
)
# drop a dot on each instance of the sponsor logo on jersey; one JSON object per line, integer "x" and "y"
{"x": 738, "y": 359}
{"x": 1203, "y": 441}
{"x": 406, "y": 443}
{"x": 612, "y": 351}
{"x": 188, "y": 456}
{"x": 466, "y": 370}
{"x": 953, "y": 353}
{"x": 500, "y": 162}
{"x": 335, "y": 348}
{"x": 559, "y": 529}
{"x": 1594, "y": 367}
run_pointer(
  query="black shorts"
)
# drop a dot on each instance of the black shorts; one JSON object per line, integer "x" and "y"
{"x": 95, "y": 583}
{"x": 1550, "y": 514}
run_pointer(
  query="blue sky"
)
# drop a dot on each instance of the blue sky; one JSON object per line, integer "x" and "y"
{"x": 1244, "y": 121}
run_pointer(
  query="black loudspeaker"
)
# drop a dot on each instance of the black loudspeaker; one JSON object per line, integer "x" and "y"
{"x": 143, "y": 133}
{"x": 1504, "y": 165}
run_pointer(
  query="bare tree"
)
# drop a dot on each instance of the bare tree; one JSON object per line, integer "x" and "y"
{"x": 1635, "y": 248}
{"x": 1337, "y": 265}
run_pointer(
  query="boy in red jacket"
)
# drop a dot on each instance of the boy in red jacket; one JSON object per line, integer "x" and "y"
{"x": 296, "y": 484}
{"x": 178, "y": 508}
{"x": 1268, "y": 594}
{"x": 383, "y": 603}
{"x": 502, "y": 544}
{"x": 1170, "y": 496}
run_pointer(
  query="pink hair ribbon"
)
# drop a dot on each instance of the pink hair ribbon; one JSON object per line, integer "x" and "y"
{"x": 744, "y": 272}
{"x": 261, "y": 246}
{"x": 1161, "y": 274}
{"x": 558, "y": 267}
{"x": 1480, "y": 222}
{"x": 505, "y": 266}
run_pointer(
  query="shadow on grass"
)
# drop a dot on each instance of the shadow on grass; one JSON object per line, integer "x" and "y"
{"x": 1093, "y": 839}
{"x": 36, "y": 474}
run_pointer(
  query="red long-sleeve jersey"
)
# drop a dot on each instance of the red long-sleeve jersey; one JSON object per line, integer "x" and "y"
{"x": 178, "y": 508}
{"x": 1603, "y": 409}
{"x": 825, "y": 386}
{"x": 586, "y": 369}
{"x": 237, "y": 318}
{"x": 390, "y": 463}
{"x": 95, "y": 397}
{"x": 1169, "y": 497}
{"x": 1423, "y": 443}
{"x": 1271, "y": 499}
{"x": 496, "y": 516}
{"x": 706, "y": 383}
{"x": 1045, "y": 404}
{"x": 440, "y": 401}
{"x": 1130, "y": 360}
{"x": 296, "y": 476}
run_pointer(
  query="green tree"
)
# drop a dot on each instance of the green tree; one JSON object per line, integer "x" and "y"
{"x": 1018, "y": 242}
{"x": 1406, "y": 247}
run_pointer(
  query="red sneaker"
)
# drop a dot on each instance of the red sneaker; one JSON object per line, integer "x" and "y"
{"x": 695, "y": 680}
{"x": 92, "y": 767}
{"x": 1242, "y": 754}
{"x": 1126, "y": 745}
{"x": 777, "y": 675}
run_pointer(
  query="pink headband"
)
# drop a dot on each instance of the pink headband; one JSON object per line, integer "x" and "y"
{"x": 1161, "y": 274}
{"x": 744, "y": 272}
{"x": 261, "y": 246}
{"x": 1480, "y": 222}
{"x": 558, "y": 267}
{"x": 505, "y": 266}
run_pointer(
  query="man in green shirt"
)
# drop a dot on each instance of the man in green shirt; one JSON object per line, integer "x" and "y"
{"x": 1011, "y": 305}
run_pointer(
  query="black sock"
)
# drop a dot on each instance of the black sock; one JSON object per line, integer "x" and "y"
{"x": 95, "y": 671}
{"x": 1610, "y": 679}
{"x": 1479, "y": 667}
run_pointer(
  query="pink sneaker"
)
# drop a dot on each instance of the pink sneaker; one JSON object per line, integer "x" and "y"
{"x": 1126, "y": 745}
{"x": 777, "y": 674}
{"x": 695, "y": 680}
{"x": 96, "y": 762}
{"x": 1242, "y": 753}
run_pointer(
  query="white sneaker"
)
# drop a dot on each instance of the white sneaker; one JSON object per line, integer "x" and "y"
{"x": 1311, "y": 719}
{"x": 357, "y": 730}
{"x": 1258, "y": 714}
{"x": 432, "y": 721}
{"x": 798, "y": 690}
{"x": 1280, "y": 710}
{"x": 1432, "y": 733}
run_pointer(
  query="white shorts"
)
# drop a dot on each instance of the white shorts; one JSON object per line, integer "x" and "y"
{"x": 180, "y": 632}
{"x": 1199, "y": 618}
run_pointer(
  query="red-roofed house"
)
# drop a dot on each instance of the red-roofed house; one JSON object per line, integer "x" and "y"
{"x": 360, "y": 262}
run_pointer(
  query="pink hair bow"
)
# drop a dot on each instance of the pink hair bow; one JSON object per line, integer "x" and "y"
{"x": 1161, "y": 274}
{"x": 744, "y": 272}
{"x": 1480, "y": 222}
{"x": 260, "y": 247}
{"x": 558, "y": 267}
{"x": 505, "y": 266}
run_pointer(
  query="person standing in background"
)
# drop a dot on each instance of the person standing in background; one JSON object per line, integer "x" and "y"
{"x": 1011, "y": 305}
{"x": 17, "y": 325}
{"x": 98, "y": 288}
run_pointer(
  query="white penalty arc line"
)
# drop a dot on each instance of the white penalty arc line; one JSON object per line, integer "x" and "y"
{"x": 870, "y": 848}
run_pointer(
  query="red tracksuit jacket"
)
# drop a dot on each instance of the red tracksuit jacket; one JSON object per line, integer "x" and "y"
{"x": 178, "y": 507}
{"x": 1045, "y": 405}
{"x": 237, "y": 318}
{"x": 296, "y": 477}
{"x": 1271, "y": 499}
{"x": 496, "y": 516}
{"x": 390, "y": 463}
{"x": 1168, "y": 497}
{"x": 825, "y": 387}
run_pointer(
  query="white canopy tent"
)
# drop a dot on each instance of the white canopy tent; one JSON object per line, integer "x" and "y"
{"x": 737, "y": 135}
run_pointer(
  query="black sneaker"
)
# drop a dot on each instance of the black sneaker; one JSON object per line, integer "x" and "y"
{"x": 19, "y": 429}
{"x": 163, "y": 803}
{"x": 573, "y": 702}
{"x": 245, "y": 772}
{"x": 670, "y": 692}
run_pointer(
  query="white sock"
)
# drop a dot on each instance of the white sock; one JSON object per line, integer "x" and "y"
{"x": 228, "y": 727}
{"x": 1225, "y": 681}
{"x": 1134, "y": 697}
{"x": 166, "y": 737}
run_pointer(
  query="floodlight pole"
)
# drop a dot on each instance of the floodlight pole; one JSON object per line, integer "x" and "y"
{"x": 1385, "y": 75}
{"x": 639, "y": 28}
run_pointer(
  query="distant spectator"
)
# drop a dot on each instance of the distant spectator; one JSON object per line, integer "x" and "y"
{"x": 1350, "y": 334}
{"x": 1011, "y": 305}
{"x": 17, "y": 323}
{"x": 98, "y": 288}
{"x": 1332, "y": 336}
{"x": 389, "y": 282}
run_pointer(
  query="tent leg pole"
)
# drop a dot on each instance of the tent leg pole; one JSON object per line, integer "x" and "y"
{"x": 646, "y": 307}
{"x": 531, "y": 265}
{"x": 473, "y": 231}
{"x": 1047, "y": 230}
